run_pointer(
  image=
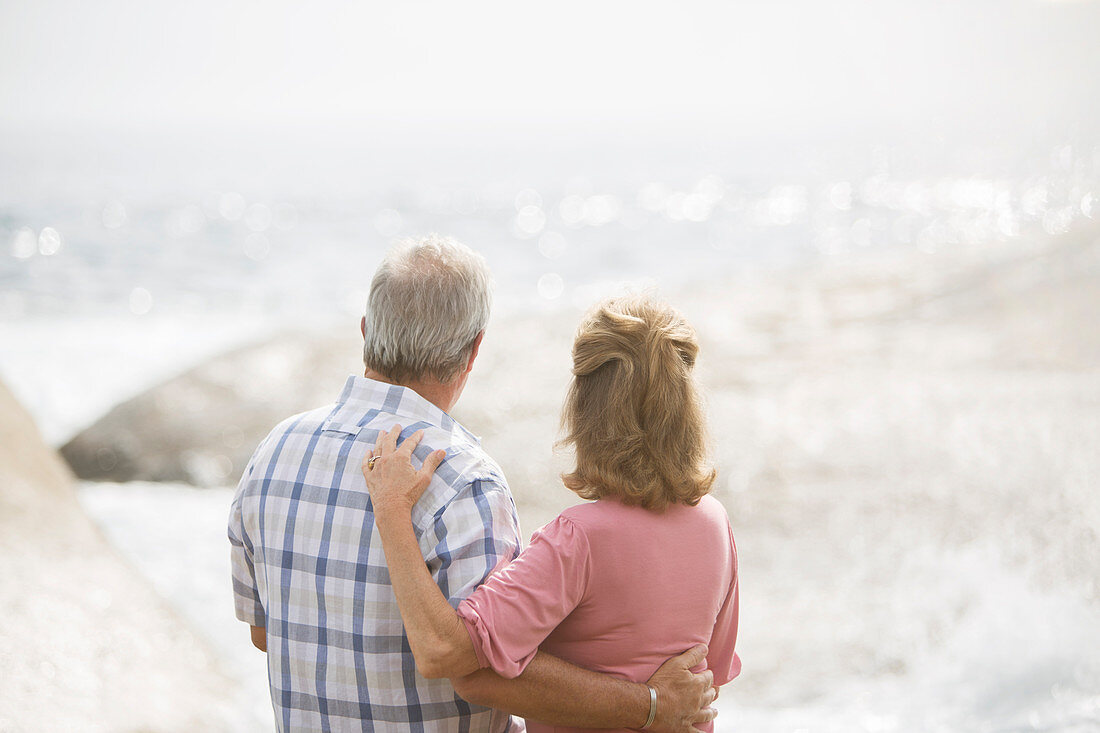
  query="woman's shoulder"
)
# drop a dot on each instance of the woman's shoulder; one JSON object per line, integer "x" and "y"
{"x": 612, "y": 512}
{"x": 598, "y": 517}
{"x": 582, "y": 515}
{"x": 714, "y": 515}
{"x": 564, "y": 533}
{"x": 713, "y": 509}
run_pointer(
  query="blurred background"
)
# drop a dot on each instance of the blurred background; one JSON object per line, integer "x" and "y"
{"x": 883, "y": 218}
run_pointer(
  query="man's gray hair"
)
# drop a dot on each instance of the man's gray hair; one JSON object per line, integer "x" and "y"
{"x": 429, "y": 300}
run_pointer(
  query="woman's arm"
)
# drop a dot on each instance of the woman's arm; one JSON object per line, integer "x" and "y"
{"x": 438, "y": 639}
{"x": 437, "y": 636}
{"x": 549, "y": 689}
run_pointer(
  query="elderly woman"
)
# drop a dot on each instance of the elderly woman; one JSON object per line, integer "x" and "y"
{"x": 618, "y": 584}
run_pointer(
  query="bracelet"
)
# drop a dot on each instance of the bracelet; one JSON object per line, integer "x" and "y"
{"x": 652, "y": 708}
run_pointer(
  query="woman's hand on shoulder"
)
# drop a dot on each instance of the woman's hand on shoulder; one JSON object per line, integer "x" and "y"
{"x": 393, "y": 483}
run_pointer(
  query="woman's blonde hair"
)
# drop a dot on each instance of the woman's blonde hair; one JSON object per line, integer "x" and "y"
{"x": 633, "y": 412}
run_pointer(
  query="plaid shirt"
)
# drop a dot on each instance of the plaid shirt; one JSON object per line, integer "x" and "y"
{"x": 308, "y": 565}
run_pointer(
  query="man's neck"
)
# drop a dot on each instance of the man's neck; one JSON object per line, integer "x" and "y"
{"x": 442, "y": 395}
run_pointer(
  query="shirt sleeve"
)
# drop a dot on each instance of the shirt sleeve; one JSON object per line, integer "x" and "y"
{"x": 721, "y": 657}
{"x": 246, "y": 596}
{"x": 516, "y": 609}
{"x": 475, "y": 533}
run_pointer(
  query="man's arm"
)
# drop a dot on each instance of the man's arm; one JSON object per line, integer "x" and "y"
{"x": 556, "y": 692}
{"x": 247, "y": 604}
{"x": 259, "y": 637}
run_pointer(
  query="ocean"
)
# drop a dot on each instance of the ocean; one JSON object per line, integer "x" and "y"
{"x": 902, "y": 372}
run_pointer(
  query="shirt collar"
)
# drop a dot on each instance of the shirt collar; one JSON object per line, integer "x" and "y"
{"x": 362, "y": 399}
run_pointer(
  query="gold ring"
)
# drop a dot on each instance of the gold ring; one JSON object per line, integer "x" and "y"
{"x": 370, "y": 462}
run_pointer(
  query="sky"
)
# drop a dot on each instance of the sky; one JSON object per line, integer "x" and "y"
{"x": 746, "y": 68}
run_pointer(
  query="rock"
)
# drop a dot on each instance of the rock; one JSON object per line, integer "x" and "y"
{"x": 202, "y": 426}
{"x": 84, "y": 644}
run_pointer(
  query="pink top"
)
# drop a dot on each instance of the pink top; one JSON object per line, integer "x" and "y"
{"x": 615, "y": 589}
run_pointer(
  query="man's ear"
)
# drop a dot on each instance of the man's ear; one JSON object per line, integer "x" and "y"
{"x": 473, "y": 351}
{"x": 363, "y": 326}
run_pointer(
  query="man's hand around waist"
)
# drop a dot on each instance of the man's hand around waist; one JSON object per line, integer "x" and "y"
{"x": 683, "y": 696}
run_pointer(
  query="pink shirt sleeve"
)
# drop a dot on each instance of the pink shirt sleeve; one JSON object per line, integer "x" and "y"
{"x": 721, "y": 657}
{"x": 510, "y": 615}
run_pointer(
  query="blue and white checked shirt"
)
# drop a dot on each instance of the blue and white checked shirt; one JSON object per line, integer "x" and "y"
{"x": 308, "y": 564}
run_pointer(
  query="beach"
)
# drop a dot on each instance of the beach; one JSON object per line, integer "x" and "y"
{"x": 900, "y": 369}
{"x": 883, "y": 220}
{"x": 907, "y": 447}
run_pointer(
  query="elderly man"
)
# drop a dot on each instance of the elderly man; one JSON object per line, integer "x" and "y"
{"x": 308, "y": 571}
